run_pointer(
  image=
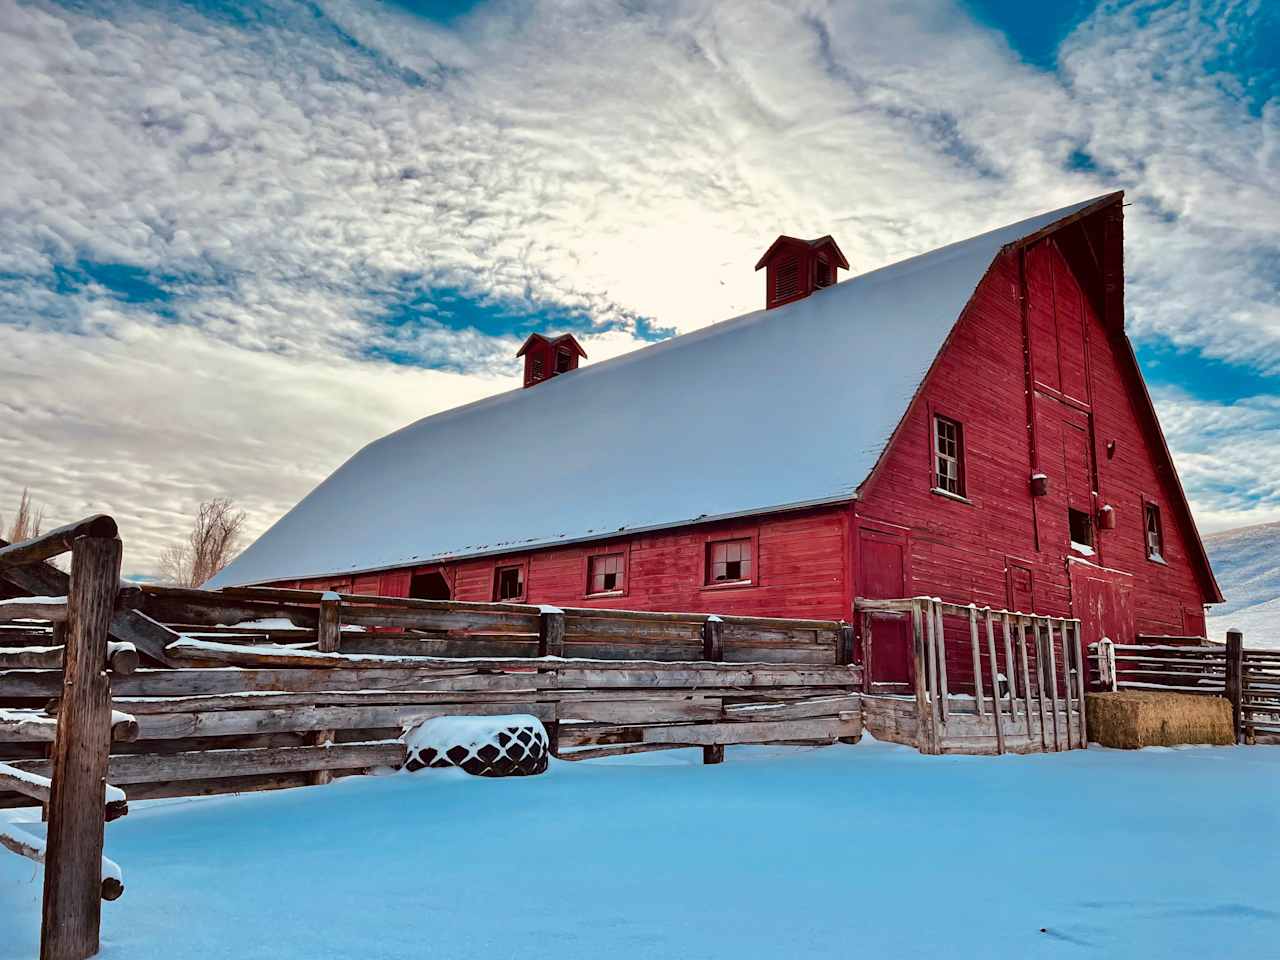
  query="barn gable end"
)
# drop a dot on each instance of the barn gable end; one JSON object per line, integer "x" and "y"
{"x": 1041, "y": 380}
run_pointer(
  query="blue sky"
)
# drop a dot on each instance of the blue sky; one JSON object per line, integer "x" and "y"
{"x": 239, "y": 240}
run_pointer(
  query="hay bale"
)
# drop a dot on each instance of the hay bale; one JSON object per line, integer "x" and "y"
{"x": 1130, "y": 719}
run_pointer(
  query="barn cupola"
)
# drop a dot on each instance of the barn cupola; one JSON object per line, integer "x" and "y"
{"x": 547, "y": 357}
{"x": 795, "y": 268}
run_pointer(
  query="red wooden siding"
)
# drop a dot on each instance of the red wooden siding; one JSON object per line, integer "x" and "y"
{"x": 1003, "y": 547}
{"x": 799, "y": 569}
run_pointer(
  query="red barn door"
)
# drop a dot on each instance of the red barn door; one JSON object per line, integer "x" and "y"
{"x": 882, "y": 575}
{"x": 1103, "y": 601}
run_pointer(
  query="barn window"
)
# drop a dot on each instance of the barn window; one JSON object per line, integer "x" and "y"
{"x": 536, "y": 368}
{"x": 1081, "y": 525}
{"x": 508, "y": 583}
{"x": 822, "y": 273}
{"x": 729, "y": 561}
{"x": 786, "y": 280}
{"x": 564, "y": 360}
{"x": 605, "y": 573}
{"x": 948, "y": 449}
{"x": 429, "y": 586}
{"x": 1155, "y": 533}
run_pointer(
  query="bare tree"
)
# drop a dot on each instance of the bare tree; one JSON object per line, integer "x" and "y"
{"x": 26, "y": 522}
{"x": 213, "y": 543}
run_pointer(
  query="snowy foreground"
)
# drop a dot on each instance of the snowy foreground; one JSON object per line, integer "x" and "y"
{"x": 870, "y": 850}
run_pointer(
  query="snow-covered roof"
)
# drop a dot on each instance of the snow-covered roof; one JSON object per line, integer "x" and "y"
{"x": 770, "y": 410}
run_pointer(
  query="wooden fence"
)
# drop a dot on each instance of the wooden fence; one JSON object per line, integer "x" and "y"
{"x": 71, "y": 785}
{"x": 259, "y": 688}
{"x": 1249, "y": 679}
{"x": 985, "y": 681}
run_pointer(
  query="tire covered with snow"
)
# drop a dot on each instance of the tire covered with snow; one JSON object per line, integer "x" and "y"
{"x": 507, "y": 746}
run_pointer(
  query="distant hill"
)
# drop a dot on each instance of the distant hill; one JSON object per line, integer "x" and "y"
{"x": 1246, "y": 562}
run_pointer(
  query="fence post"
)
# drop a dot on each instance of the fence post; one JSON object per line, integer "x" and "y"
{"x": 844, "y": 653}
{"x": 713, "y": 649}
{"x": 551, "y": 632}
{"x": 1235, "y": 678}
{"x": 328, "y": 637}
{"x": 72, "y": 908}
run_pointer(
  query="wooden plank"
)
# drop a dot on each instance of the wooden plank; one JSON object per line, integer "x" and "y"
{"x": 328, "y": 634}
{"x": 128, "y": 769}
{"x": 1051, "y": 672}
{"x": 320, "y": 719}
{"x": 944, "y": 692}
{"x": 640, "y": 711}
{"x": 977, "y": 665}
{"x": 997, "y": 710}
{"x": 659, "y": 675}
{"x": 57, "y": 541}
{"x": 703, "y": 734}
{"x": 551, "y": 633}
{"x": 146, "y": 635}
{"x": 73, "y": 870}
{"x": 1010, "y": 666}
{"x": 924, "y": 716}
{"x": 1035, "y": 640}
{"x": 797, "y": 710}
{"x": 23, "y": 609}
{"x": 1072, "y": 737}
{"x": 30, "y": 658}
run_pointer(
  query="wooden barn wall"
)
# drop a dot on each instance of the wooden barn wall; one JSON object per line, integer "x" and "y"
{"x": 800, "y": 558}
{"x": 982, "y": 550}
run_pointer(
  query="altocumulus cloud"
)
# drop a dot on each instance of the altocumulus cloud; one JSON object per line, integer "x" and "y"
{"x": 216, "y": 222}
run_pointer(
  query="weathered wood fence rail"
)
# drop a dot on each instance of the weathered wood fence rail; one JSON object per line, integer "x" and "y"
{"x": 1249, "y": 679}
{"x": 259, "y": 688}
{"x": 985, "y": 681}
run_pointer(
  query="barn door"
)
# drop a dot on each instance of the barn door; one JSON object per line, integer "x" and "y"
{"x": 1103, "y": 601}
{"x": 882, "y": 575}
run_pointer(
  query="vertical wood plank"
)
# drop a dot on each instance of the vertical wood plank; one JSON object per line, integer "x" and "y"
{"x": 328, "y": 640}
{"x": 996, "y": 709}
{"x": 944, "y": 692}
{"x": 977, "y": 663}
{"x": 1235, "y": 678}
{"x": 1010, "y": 668}
{"x": 551, "y": 633}
{"x": 924, "y": 736}
{"x": 712, "y": 649}
{"x": 1021, "y": 641}
{"x": 931, "y": 654}
{"x": 866, "y": 652}
{"x": 844, "y": 655}
{"x": 1037, "y": 648}
{"x": 73, "y": 860}
{"x": 1051, "y": 674}
{"x": 1077, "y": 653}
{"x": 1073, "y": 739}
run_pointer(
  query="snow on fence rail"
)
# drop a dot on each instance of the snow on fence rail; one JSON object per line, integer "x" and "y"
{"x": 257, "y": 688}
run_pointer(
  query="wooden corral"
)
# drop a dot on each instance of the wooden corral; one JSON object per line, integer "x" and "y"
{"x": 1021, "y": 688}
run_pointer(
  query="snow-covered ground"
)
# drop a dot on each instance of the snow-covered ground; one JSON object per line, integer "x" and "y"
{"x": 845, "y": 851}
{"x": 1246, "y": 562}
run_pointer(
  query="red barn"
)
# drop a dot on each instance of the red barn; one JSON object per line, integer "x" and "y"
{"x": 970, "y": 424}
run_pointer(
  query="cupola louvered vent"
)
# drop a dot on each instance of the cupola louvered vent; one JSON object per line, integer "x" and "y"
{"x": 787, "y": 280}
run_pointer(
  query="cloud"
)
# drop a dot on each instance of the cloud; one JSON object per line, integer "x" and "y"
{"x": 1225, "y": 454}
{"x": 282, "y": 178}
{"x": 149, "y": 422}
